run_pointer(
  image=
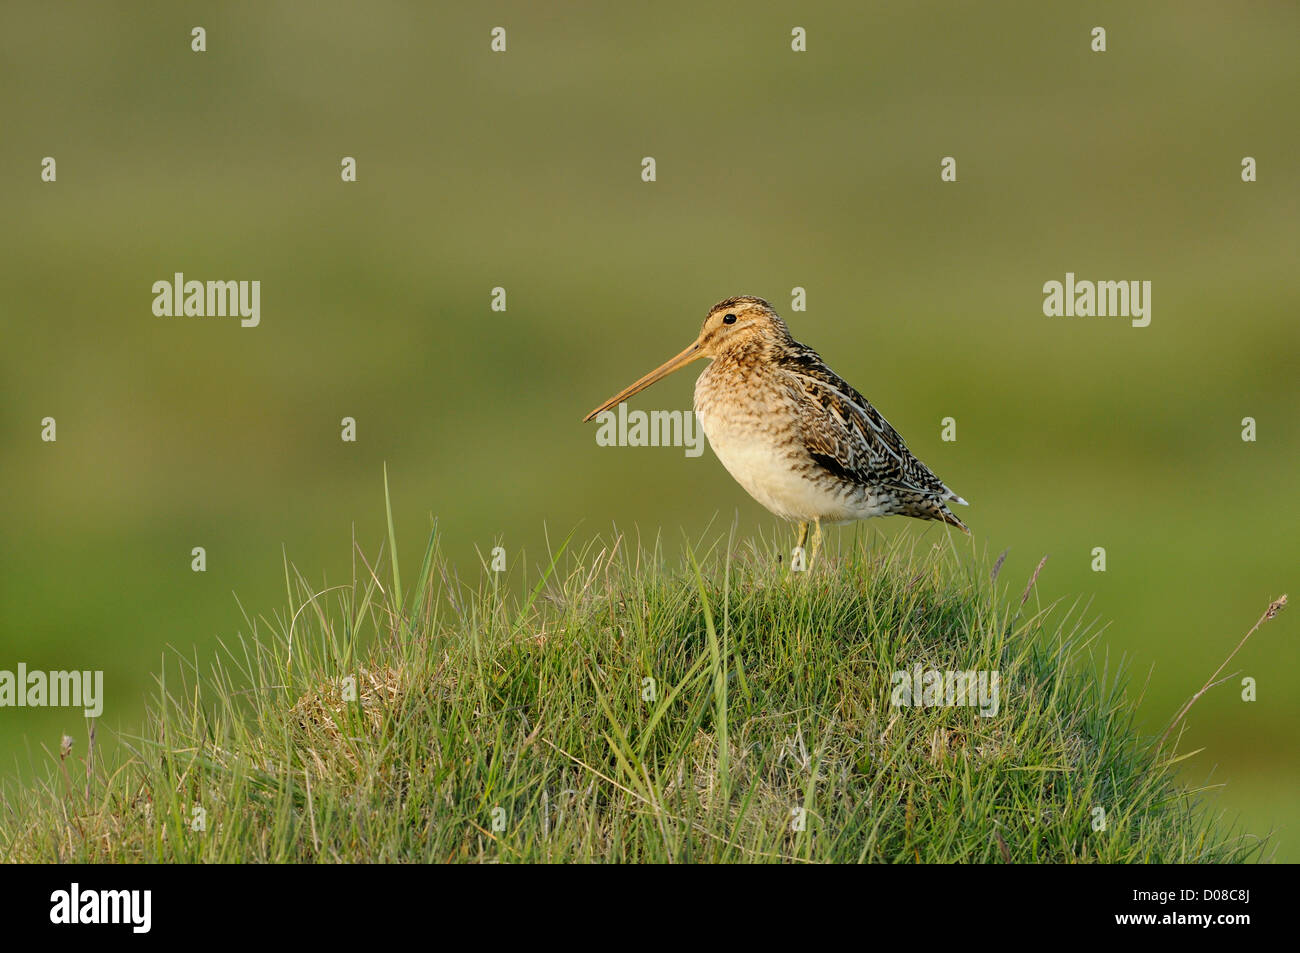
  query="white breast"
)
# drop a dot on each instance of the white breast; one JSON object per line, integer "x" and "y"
{"x": 759, "y": 449}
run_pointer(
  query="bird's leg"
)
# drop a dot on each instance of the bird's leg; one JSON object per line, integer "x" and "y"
{"x": 816, "y": 542}
{"x": 802, "y": 537}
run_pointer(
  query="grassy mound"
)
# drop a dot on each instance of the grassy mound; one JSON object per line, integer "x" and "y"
{"x": 626, "y": 706}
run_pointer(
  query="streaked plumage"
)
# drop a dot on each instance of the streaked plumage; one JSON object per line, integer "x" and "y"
{"x": 795, "y": 435}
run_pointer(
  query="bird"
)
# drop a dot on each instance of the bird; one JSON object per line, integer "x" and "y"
{"x": 804, "y": 443}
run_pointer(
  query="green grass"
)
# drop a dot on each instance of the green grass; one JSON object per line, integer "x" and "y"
{"x": 512, "y": 719}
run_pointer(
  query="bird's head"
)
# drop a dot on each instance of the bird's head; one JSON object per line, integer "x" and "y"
{"x": 733, "y": 326}
{"x": 740, "y": 324}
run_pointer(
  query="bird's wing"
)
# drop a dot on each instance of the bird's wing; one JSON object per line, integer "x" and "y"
{"x": 848, "y": 436}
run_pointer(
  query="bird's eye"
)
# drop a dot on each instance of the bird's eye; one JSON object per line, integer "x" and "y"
{"x": 729, "y": 319}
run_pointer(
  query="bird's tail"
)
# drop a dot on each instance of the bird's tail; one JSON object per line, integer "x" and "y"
{"x": 949, "y": 517}
{"x": 930, "y": 508}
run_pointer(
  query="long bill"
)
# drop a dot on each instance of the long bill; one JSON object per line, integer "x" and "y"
{"x": 659, "y": 373}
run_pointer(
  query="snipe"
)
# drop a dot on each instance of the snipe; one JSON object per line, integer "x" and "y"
{"x": 803, "y": 442}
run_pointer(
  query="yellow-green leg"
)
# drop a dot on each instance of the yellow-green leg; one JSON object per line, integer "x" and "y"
{"x": 800, "y": 541}
{"x": 816, "y": 541}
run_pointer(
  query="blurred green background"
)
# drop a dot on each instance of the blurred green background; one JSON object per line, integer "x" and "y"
{"x": 775, "y": 169}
